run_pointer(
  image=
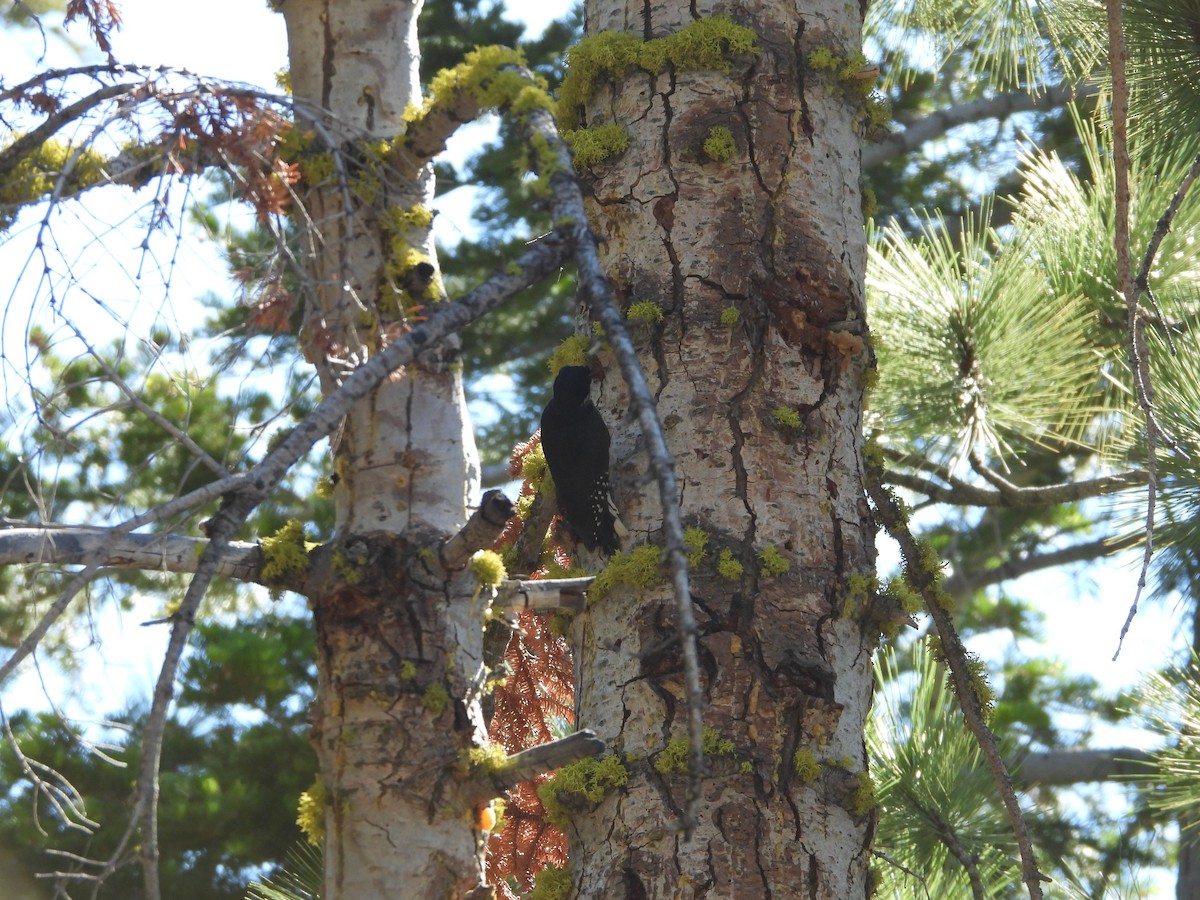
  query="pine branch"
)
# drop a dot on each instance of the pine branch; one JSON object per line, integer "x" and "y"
{"x": 961, "y": 582}
{"x": 958, "y": 492}
{"x": 937, "y": 124}
{"x": 934, "y": 595}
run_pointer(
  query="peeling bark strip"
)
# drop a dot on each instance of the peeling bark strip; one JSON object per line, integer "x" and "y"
{"x": 735, "y": 209}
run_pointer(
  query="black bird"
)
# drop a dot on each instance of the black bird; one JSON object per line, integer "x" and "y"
{"x": 575, "y": 441}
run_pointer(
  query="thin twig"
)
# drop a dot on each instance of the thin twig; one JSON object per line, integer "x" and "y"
{"x": 1136, "y": 327}
{"x": 1141, "y": 284}
{"x": 956, "y": 659}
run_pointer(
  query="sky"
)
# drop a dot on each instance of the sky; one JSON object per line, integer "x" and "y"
{"x": 242, "y": 40}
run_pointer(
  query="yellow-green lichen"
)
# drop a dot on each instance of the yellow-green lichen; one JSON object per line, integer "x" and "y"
{"x": 645, "y": 312}
{"x": 806, "y": 766}
{"x": 408, "y": 670}
{"x": 589, "y": 779}
{"x": 525, "y": 503}
{"x": 324, "y": 488}
{"x": 851, "y": 70}
{"x": 674, "y": 758}
{"x": 534, "y": 468}
{"x": 859, "y": 589}
{"x": 772, "y": 561}
{"x": 641, "y": 567}
{"x": 786, "y": 417}
{"x": 977, "y": 677}
{"x": 730, "y": 316}
{"x": 349, "y": 569}
{"x": 39, "y": 171}
{"x": 694, "y": 542}
{"x": 488, "y": 568}
{"x": 571, "y": 352}
{"x": 552, "y": 883}
{"x": 864, "y": 799}
{"x": 720, "y": 146}
{"x": 397, "y": 219}
{"x": 285, "y": 554}
{"x": 591, "y": 146}
{"x": 702, "y": 44}
{"x": 310, "y": 813}
{"x": 901, "y": 591}
{"x": 480, "y": 76}
{"x": 435, "y": 699}
{"x": 490, "y": 758}
{"x": 728, "y": 567}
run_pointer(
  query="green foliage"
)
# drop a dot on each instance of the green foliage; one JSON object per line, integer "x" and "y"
{"x": 933, "y": 788}
{"x": 302, "y": 877}
{"x": 236, "y": 757}
{"x": 1170, "y": 703}
{"x": 958, "y": 373}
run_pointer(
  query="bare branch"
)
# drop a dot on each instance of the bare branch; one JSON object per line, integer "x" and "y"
{"x": 104, "y": 548}
{"x": 1059, "y": 767}
{"x": 544, "y": 595}
{"x": 481, "y": 530}
{"x": 958, "y": 492}
{"x": 961, "y": 582}
{"x": 1139, "y": 361}
{"x": 546, "y": 758}
{"x": 937, "y": 124}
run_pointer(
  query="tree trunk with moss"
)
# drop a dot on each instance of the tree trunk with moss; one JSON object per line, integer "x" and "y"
{"x": 733, "y": 231}
{"x": 399, "y": 640}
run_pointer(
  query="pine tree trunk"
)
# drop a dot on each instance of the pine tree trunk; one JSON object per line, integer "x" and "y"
{"x": 399, "y": 641}
{"x": 757, "y": 263}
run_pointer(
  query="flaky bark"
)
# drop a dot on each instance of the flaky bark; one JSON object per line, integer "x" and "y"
{"x": 762, "y": 418}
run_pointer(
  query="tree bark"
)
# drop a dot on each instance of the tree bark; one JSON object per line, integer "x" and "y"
{"x": 762, "y": 408}
{"x": 399, "y": 640}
